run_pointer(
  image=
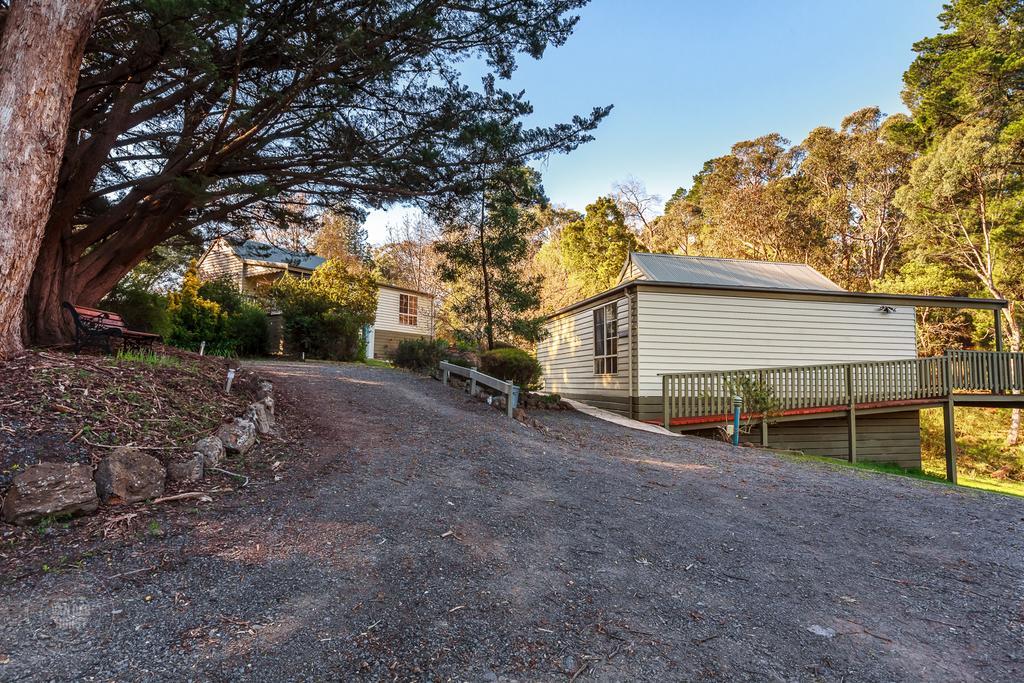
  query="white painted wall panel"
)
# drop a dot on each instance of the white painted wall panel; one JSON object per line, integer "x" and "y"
{"x": 566, "y": 355}
{"x": 690, "y": 332}
{"x": 387, "y": 313}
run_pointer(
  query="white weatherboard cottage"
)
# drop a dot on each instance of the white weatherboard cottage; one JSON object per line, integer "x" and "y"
{"x": 678, "y": 314}
{"x": 401, "y": 313}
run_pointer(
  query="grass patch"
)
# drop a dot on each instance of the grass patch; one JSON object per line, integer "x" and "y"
{"x": 1007, "y": 486}
{"x": 973, "y": 481}
{"x": 885, "y": 468}
{"x": 150, "y": 358}
{"x": 981, "y": 443}
{"x": 375, "y": 363}
{"x": 984, "y": 461}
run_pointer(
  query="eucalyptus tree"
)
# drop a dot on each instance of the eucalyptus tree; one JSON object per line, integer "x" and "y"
{"x": 855, "y": 173}
{"x": 965, "y": 197}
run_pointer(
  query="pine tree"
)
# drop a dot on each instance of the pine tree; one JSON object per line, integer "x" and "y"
{"x": 484, "y": 250}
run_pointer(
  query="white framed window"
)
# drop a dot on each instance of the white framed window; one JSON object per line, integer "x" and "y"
{"x": 408, "y": 306}
{"x": 606, "y": 339}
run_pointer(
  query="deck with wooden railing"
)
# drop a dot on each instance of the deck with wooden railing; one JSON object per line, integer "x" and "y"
{"x": 694, "y": 397}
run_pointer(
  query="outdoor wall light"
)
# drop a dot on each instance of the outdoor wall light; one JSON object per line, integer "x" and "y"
{"x": 887, "y": 309}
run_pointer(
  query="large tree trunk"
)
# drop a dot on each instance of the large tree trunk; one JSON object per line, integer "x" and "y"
{"x": 40, "y": 55}
{"x": 64, "y": 273}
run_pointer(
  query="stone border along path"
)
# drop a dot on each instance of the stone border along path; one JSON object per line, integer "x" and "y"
{"x": 50, "y": 490}
{"x": 413, "y": 534}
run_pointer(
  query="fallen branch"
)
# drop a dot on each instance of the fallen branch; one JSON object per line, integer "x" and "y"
{"x": 131, "y": 445}
{"x": 583, "y": 667}
{"x": 202, "y": 496}
{"x": 231, "y": 474}
{"x": 126, "y": 519}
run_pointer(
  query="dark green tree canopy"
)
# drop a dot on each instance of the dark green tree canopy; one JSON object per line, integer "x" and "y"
{"x": 208, "y": 114}
{"x": 974, "y": 68}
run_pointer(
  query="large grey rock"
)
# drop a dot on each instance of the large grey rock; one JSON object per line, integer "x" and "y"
{"x": 258, "y": 414}
{"x": 128, "y": 475}
{"x": 238, "y": 436}
{"x": 187, "y": 470}
{"x": 264, "y": 389}
{"x": 268, "y": 401}
{"x": 50, "y": 489}
{"x": 211, "y": 448}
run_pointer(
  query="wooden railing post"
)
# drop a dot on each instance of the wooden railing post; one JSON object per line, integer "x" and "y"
{"x": 512, "y": 400}
{"x": 851, "y": 431}
{"x": 666, "y": 418}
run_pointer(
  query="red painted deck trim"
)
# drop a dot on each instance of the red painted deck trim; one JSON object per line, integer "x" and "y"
{"x": 712, "y": 419}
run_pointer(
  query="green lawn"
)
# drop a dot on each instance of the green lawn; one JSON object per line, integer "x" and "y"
{"x": 1007, "y": 486}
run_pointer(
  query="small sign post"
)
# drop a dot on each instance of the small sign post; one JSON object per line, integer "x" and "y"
{"x": 737, "y": 405}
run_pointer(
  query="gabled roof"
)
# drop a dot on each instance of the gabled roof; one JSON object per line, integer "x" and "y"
{"x": 721, "y": 272}
{"x": 251, "y": 250}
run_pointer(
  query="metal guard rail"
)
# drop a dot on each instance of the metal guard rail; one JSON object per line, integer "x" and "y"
{"x": 475, "y": 377}
{"x": 710, "y": 393}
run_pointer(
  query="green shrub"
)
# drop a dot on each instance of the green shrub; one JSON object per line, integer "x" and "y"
{"x": 194, "y": 320}
{"x": 247, "y": 329}
{"x": 463, "y": 358}
{"x": 223, "y": 291}
{"x": 511, "y": 364}
{"x": 141, "y": 309}
{"x": 324, "y": 315}
{"x": 421, "y": 355}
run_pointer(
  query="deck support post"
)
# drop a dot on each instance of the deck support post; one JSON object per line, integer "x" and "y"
{"x": 998, "y": 330}
{"x": 764, "y": 431}
{"x": 851, "y": 424}
{"x": 949, "y": 423}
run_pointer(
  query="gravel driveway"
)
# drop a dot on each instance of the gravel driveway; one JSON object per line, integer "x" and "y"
{"x": 416, "y": 534}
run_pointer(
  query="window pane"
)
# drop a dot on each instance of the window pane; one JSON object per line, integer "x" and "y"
{"x": 606, "y": 340}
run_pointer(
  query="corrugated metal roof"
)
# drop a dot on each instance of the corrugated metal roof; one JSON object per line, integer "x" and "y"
{"x": 701, "y": 270}
{"x": 252, "y": 250}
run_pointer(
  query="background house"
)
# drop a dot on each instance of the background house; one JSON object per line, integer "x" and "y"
{"x": 253, "y": 266}
{"x": 677, "y": 314}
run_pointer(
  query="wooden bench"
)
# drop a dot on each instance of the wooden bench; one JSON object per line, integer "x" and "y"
{"x": 99, "y": 328}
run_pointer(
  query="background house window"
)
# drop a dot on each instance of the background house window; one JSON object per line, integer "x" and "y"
{"x": 606, "y": 340}
{"x": 407, "y": 309}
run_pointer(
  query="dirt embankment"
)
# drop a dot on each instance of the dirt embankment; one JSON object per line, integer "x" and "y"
{"x": 62, "y": 407}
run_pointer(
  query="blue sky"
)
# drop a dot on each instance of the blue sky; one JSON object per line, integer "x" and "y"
{"x": 689, "y": 79}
